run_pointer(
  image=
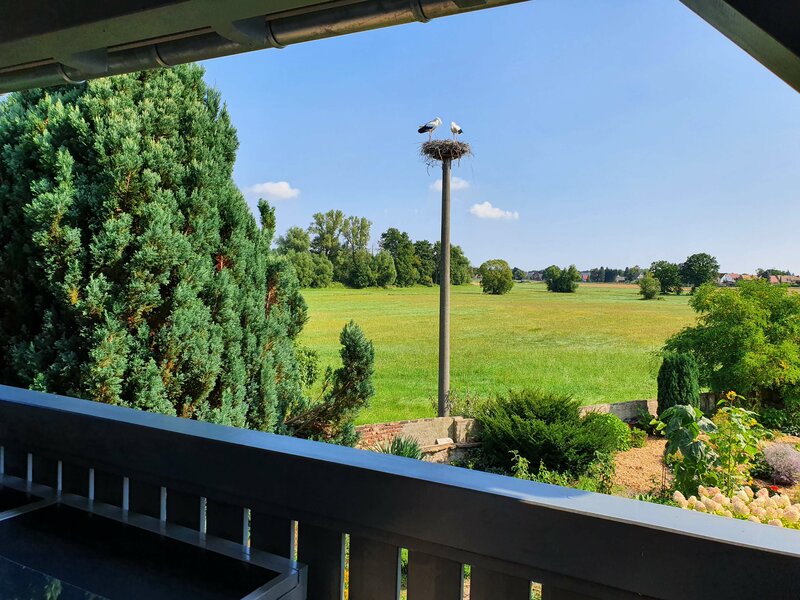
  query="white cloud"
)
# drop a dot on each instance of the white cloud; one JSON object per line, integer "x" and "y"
{"x": 273, "y": 190}
{"x": 456, "y": 184}
{"x": 485, "y": 210}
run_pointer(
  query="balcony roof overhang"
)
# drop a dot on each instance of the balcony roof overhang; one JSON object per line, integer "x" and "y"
{"x": 768, "y": 31}
{"x": 48, "y": 43}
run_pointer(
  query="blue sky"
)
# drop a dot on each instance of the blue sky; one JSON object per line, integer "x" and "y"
{"x": 607, "y": 133}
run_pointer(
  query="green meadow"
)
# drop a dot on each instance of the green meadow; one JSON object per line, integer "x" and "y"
{"x": 598, "y": 344}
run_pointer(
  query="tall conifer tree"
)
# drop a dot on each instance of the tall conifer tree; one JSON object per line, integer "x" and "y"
{"x": 132, "y": 271}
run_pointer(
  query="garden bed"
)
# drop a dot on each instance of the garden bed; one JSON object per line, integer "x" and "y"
{"x": 640, "y": 470}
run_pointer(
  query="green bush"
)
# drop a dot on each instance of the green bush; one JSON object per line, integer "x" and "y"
{"x": 546, "y": 429}
{"x": 521, "y": 469}
{"x": 678, "y": 381}
{"x": 385, "y": 273}
{"x": 599, "y": 477}
{"x": 668, "y": 276}
{"x": 496, "y": 277}
{"x": 563, "y": 281}
{"x": 785, "y": 419}
{"x": 649, "y": 286}
{"x": 761, "y": 468}
{"x": 622, "y": 433}
{"x": 638, "y": 438}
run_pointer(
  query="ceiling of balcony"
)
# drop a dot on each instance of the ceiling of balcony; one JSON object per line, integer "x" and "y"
{"x": 44, "y": 42}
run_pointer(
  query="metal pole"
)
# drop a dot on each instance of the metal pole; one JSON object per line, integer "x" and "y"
{"x": 444, "y": 295}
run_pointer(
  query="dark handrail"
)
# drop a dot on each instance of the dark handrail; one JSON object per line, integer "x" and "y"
{"x": 613, "y": 546}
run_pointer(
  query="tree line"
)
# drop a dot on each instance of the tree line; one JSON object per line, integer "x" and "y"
{"x": 696, "y": 270}
{"x": 336, "y": 248}
{"x": 609, "y": 275}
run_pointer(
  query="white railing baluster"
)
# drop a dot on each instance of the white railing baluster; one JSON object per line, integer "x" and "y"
{"x": 91, "y": 486}
{"x": 203, "y": 517}
{"x": 162, "y": 511}
{"x": 246, "y": 530}
{"x": 126, "y": 490}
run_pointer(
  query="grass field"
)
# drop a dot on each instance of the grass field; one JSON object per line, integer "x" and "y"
{"x": 597, "y": 344}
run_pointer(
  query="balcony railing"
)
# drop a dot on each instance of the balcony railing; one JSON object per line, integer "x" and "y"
{"x": 301, "y": 499}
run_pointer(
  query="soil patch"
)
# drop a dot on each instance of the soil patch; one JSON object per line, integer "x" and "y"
{"x": 640, "y": 470}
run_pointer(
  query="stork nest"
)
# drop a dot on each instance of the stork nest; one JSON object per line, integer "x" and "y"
{"x": 436, "y": 151}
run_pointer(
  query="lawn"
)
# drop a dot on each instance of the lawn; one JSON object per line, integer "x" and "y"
{"x": 597, "y": 344}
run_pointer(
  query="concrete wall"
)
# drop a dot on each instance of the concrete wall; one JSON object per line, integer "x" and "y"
{"x": 628, "y": 411}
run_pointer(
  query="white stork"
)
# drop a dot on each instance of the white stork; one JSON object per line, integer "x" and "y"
{"x": 455, "y": 129}
{"x": 429, "y": 127}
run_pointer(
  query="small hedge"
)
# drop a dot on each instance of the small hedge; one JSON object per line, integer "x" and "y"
{"x": 547, "y": 429}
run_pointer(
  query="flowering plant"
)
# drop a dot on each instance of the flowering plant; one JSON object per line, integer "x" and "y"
{"x": 704, "y": 452}
{"x": 759, "y": 506}
{"x": 736, "y": 441}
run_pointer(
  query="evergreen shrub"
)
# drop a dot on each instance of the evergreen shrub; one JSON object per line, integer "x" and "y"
{"x": 546, "y": 429}
{"x": 678, "y": 381}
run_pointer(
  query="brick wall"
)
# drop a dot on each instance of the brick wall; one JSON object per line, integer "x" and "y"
{"x": 372, "y": 435}
{"x": 425, "y": 431}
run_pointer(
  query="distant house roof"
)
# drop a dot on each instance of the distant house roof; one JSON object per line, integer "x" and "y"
{"x": 786, "y": 278}
{"x": 730, "y": 278}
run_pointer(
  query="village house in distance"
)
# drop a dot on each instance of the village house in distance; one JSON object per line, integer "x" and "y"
{"x": 732, "y": 278}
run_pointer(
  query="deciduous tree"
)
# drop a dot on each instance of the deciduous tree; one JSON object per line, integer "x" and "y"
{"x": 562, "y": 280}
{"x": 699, "y": 269}
{"x": 747, "y": 338}
{"x": 295, "y": 239}
{"x": 355, "y": 231}
{"x": 360, "y": 272}
{"x": 668, "y": 275}
{"x": 383, "y": 267}
{"x": 323, "y": 271}
{"x": 325, "y": 230}
{"x": 460, "y": 269}
{"x": 496, "y": 277}
{"x": 398, "y": 244}
{"x": 426, "y": 261}
{"x": 649, "y": 286}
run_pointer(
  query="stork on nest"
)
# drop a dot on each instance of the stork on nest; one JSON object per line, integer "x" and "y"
{"x": 437, "y": 151}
